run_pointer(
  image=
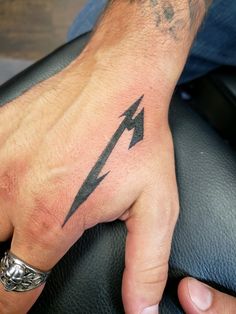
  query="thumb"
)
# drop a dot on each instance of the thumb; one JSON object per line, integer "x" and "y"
{"x": 197, "y": 298}
{"x": 150, "y": 228}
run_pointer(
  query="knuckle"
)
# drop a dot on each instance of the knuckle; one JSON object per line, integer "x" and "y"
{"x": 42, "y": 224}
{"x": 11, "y": 175}
{"x": 155, "y": 275}
{"x": 8, "y": 183}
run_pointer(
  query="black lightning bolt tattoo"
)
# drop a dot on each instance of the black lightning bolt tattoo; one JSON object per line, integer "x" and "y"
{"x": 93, "y": 180}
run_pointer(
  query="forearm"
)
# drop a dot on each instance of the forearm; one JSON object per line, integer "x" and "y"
{"x": 156, "y": 22}
{"x": 150, "y": 35}
{"x": 158, "y": 12}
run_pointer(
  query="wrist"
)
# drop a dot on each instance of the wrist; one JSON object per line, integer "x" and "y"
{"x": 136, "y": 42}
{"x": 121, "y": 69}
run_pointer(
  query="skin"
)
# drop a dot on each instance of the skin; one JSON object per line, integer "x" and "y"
{"x": 59, "y": 129}
{"x": 94, "y": 179}
{"x": 221, "y": 303}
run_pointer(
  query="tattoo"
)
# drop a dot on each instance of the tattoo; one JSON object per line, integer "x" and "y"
{"x": 165, "y": 18}
{"x": 93, "y": 180}
{"x": 169, "y": 15}
{"x": 168, "y": 19}
{"x": 168, "y": 11}
{"x": 154, "y": 3}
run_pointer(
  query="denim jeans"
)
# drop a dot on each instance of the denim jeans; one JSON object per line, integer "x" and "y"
{"x": 215, "y": 44}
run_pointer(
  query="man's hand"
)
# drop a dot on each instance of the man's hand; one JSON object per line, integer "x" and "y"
{"x": 54, "y": 154}
{"x": 198, "y": 298}
{"x": 93, "y": 145}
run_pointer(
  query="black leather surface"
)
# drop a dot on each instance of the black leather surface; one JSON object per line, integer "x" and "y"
{"x": 214, "y": 97}
{"x": 88, "y": 279}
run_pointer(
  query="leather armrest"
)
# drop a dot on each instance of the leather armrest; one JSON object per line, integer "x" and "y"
{"x": 214, "y": 97}
{"x": 88, "y": 278}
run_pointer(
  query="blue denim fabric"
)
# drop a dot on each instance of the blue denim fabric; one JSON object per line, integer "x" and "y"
{"x": 87, "y": 18}
{"x": 214, "y": 46}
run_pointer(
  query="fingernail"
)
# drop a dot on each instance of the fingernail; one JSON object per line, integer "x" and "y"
{"x": 200, "y": 294}
{"x": 151, "y": 310}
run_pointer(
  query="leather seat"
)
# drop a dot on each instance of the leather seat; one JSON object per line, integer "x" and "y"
{"x": 88, "y": 278}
